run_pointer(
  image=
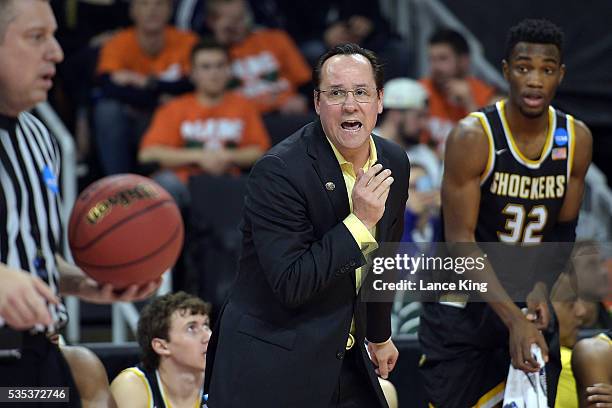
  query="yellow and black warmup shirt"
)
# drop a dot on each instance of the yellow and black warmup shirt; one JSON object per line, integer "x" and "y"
{"x": 155, "y": 390}
{"x": 30, "y": 220}
{"x": 521, "y": 197}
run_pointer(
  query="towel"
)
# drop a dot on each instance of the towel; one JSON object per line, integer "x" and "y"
{"x": 526, "y": 390}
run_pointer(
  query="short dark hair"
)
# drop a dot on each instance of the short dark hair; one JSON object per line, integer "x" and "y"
{"x": 155, "y": 319}
{"x": 537, "y": 31}
{"x": 208, "y": 43}
{"x": 452, "y": 38}
{"x": 350, "y": 49}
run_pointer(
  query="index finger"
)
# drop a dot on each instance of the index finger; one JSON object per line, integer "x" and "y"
{"x": 529, "y": 359}
{"x": 44, "y": 290}
{"x": 383, "y": 369}
{"x": 543, "y": 347}
{"x": 368, "y": 175}
{"x": 147, "y": 290}
{"x": 128, "y": 294}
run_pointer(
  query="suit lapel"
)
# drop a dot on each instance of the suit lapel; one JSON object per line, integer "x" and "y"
{"x": 329, "y": 172}
{"x": 382, "y": 228}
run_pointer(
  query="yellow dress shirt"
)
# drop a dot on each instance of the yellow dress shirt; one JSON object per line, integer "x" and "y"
{"x": 362, "y": 235}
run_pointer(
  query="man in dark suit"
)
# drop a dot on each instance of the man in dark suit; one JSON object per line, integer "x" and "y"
{"x": 292, "y": 332}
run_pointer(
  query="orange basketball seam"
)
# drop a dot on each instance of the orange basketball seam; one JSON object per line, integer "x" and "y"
{"x": 149, "y": 255}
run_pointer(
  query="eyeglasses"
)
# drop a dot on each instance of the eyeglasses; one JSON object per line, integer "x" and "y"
{"x": 337, "y": 96}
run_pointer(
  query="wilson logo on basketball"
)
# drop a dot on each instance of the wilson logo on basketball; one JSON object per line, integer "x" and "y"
{"x": 124, "y": 198}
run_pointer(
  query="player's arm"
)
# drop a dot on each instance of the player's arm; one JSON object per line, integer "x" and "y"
{"x": 592, "y": 368}
{"x": 90, "y": 377}
{"x": 130, "y": 390}
{"x": 583, "y": 152}
{"x": 74, "y": 282}
{"x": 460, "y": 203}
{"x": 565, "y": 229}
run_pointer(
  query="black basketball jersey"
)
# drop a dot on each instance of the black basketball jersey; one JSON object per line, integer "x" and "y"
{"x": 521, "y": 200}
{"x": 155, "y": 391}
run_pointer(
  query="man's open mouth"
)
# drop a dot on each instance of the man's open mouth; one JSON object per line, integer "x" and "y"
{"x": 352, "y": 125}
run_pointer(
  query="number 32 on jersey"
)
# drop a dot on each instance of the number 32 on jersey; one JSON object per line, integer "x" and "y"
{"x": 523, "y": 227}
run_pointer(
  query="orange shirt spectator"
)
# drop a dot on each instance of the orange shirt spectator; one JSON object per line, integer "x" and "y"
{"x": 123, "y": 52}
{"x": 444, "y": 115}
{"x": 268, "y": 68}
{"x": 185, "y": 122}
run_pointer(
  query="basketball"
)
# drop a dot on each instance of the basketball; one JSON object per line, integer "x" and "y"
{"x": 125, "y": 230}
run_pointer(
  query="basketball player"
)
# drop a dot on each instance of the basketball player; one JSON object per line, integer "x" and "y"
{"x": 173, "y": 333}
{"x": 32, "y": 274}
{"x": 496, "y": 160}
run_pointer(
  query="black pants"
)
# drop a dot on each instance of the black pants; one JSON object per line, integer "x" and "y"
{"x": 41, "y": 365}
{"x": 354, "y": 389}
{"x": 467, "y": 354}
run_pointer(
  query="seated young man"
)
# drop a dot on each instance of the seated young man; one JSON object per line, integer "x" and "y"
{"x": 173, "y": 333}
{"x": 210, "y": 131}
{"x": 139, "y": 68}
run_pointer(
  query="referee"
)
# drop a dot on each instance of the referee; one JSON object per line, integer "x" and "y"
{"x": 32, "y": 273}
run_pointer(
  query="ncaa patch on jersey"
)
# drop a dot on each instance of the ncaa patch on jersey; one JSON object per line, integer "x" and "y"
{"x": 559, "y": 153}
{"x": 50, "y": 180}
{"x": 561, "y": 137}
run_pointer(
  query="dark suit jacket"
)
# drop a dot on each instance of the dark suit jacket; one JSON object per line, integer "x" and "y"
{"x": 280, "y": 337}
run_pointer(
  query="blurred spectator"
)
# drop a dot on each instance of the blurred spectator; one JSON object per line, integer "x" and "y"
{"x": 590, "y": 262}
{"x": 266, "y": 64}
{"x": 422, "y": 223}
{"x": 139, "y": 67}
{"x": 191, "y": 15}
{"x": 405, "y": 119}
{"x": 209, "y": 131}
{"x": 83, "y": 26}
{"x": 318, "y": 25}
{"x": 453, "y": 93}
{"x": 80, "y": 21}
{"x": 422, "y": 230}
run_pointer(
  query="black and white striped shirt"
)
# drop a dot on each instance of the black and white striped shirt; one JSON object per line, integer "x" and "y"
{"x": 30, "y": 220}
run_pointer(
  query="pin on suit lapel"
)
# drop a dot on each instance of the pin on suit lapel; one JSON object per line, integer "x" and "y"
{"x": 329, "y": 172}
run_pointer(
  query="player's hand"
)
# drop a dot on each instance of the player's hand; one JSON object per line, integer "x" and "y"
{"x": 523, "y": 334}
{"x": 370, "y": 194}
{"x": 538, "y": 311}
{"x": 599, "y": 395}
{"x": 24, "y": 298}
{"x": 384, "y": 356}
{"x": 93, "y": 292}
